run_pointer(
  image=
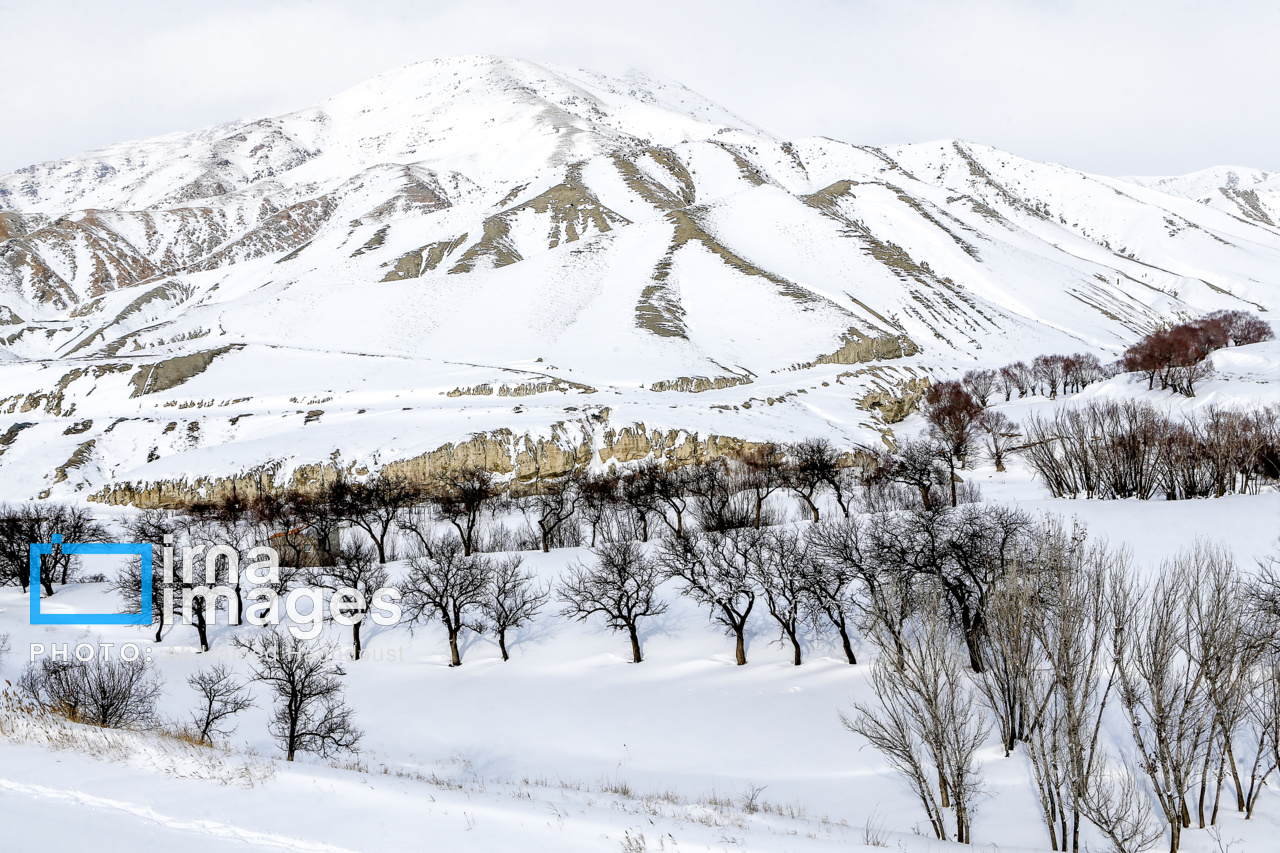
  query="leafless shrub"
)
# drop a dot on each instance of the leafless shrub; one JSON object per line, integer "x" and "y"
{"x": 110, "y": 693}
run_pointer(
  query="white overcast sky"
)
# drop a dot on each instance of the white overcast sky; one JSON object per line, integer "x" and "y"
{"x": 1119, "y": 87}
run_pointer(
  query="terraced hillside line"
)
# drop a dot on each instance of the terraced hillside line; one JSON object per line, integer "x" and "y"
{"x": 648, "y": 188}
{"x": 494, "y": 244}
{"x": 858, "y": 348}
{"x": 172, "y": 372}
{"x": 746, "y": 169}
{"x": 429, "y": 257}
{"x": 283, "y": 231}
{"x": 1248, "y": 203}
{"x": 826, "y": 200}
{"x": 957, "y": 305}
{"x": 659, "y": 309}
{"x": 698, "y": 384}
{"x": 572, "y": 211}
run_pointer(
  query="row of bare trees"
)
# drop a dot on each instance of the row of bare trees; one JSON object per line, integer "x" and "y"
{"x": 1046, "y": 375}
{"x": 1174, "y": 354}
{"x": 1073, "y": 651}
{"x": 1107, "y": 449}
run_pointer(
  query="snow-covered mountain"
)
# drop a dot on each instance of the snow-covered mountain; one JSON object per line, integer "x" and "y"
{"x": 572, "y": 265}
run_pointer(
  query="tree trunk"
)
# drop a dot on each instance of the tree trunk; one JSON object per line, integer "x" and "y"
{"x": 795, "y": 645}
{"x": 813, "y": 507}
{"x": 502, "y": 643}
{"x": 453, "y": 648}
{"x": 844, "y": 641}
{"x": 202, "y": 627}
{"x": 635, "y": 644}
{"x": 741, "y": 646}
{"x": 1235, "y": 775}
{"x": 355, "y": 639}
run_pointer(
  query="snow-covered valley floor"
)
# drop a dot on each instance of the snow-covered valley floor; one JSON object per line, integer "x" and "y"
{"x": 568, "y": 746}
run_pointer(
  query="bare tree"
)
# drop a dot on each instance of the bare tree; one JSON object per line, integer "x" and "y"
{"x": 374, "y": 505}
{"x": 1164, "y": 689}
{"x": 24, "y": 524}
{"x": 714, "y": 570}
{"x": 638, "y": 491}
{"x": 927, "y": 723}
{"x": 354, "y": 580}
{"x": 838, "y": 565}
{"x": 444, "y": 584}
{"x": 221, "y": 697}
{"x": 462, "y": 497}
{"x": 672, "y": 491}
{"x": 600, "y": 498}
{"x": 814, "y": 464}
{"x": 764, "y": 471}
{"x": 149, "y": 526}
{"x": 922, "y": 465}
{"x": 780, "y": 568}
{"x": 953, "y": 417}
{"x": 999, "y": 435}
{"x": 310, "y": 714}
{"x": 515, "y": 598}
{"x": 551, "y": 505}
{"x": 621, "y": 586}
{"x": 717, "y": 502}
{"x": 981, "y": 384}
{"x": 224, "y": 529}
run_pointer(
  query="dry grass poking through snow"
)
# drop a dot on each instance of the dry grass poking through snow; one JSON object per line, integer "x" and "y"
{"x": 172, "y": 752}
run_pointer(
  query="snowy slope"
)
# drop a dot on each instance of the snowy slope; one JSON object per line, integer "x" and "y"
{"x": 407, "y": 256}
{"x": 1249, "y": 193}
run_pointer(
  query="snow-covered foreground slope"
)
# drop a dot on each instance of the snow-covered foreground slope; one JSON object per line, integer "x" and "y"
{"x": 567, "y": 746}
{"x": 479, "y": 244}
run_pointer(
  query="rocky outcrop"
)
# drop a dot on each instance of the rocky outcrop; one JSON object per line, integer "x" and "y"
{"x": 519, "y": 458}
{"x": 172, "y": 372}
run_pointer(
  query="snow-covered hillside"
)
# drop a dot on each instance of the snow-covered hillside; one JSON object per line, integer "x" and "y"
{"x": 372, "y": 278}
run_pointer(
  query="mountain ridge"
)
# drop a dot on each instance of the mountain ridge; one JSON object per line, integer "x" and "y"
{"x": 494, "y": 223}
